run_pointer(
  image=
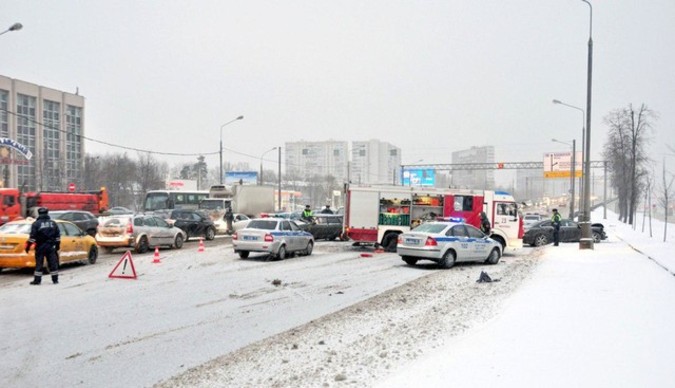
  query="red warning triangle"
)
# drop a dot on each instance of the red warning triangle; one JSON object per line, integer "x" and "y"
{"x": 124, "y": 268}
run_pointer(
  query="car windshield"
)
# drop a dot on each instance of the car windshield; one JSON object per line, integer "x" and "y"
{"x": 430, "y": 228}
{"x": 263, "y": 224}
{"x": 15, "y": 229}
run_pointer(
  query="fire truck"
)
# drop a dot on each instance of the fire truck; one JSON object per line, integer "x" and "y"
{"x": 378, "y": 214}
{"x": 17, "y": 205}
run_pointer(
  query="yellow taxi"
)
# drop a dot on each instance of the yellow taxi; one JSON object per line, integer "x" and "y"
{"x": 75, "y": 244}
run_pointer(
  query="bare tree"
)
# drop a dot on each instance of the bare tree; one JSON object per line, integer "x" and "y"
{"x": 149, "y": 175}
{"x": 666, "y": 197}
{"x": 625, "y": 150}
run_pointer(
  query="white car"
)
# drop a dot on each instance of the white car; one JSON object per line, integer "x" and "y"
{"x": 240, "y": 221}
{"x": 447, "y": 243}
{"x": 277, "y": 236}
{"x": 530, "y": 219}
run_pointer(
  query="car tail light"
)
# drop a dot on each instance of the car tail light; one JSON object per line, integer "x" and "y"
{"x": 430, "y": 242}
{"x": 400, "y": 239}
{"x": 130, "y": 228}
{"x": 269, "y": 237}
{"x": 234, "y": 236}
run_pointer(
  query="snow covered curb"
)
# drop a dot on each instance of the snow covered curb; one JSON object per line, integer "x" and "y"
{"x": 363, "y": 343}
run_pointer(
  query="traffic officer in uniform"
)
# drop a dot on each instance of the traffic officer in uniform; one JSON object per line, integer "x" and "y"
{"x": 556, "y": 227}
{"x": 45, "y": 234}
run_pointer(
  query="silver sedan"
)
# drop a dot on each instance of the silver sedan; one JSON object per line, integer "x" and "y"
{"x": 447, "y": 243}
{"x": 275, "y": 236}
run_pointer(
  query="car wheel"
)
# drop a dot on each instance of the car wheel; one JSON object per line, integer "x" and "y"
{"x": 540, "y": 240}
{"x": 243, "y": 254}
{"x": 390, "y": 243}
{"x": 282, "y": 252}
{"x": 142, "y": 246}
{"x": 109, "y": 249}
{"x": 310, "y": 247}
{"x": 93, "y": 255}
{"x": 409, "y": 260}
{"x": 596, "y": 237}
{"x": 448, "y": 260}
{"x": 210, "y": 234}
{"x": 494, "y": 257}
{"x": 178, "y": 242}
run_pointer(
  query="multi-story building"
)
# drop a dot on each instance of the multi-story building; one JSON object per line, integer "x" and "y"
{"x": 323, "y": 158}
{"x": 41, "y": 136}
{"x": 375, "y": 162}
{"x": 475, "y": 179}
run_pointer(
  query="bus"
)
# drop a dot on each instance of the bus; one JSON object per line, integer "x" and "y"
{"x": 173, "y": 199}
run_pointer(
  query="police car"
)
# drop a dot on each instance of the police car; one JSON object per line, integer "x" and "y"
{"x": 276, "y": 236}
{"x": 446, "y": 243}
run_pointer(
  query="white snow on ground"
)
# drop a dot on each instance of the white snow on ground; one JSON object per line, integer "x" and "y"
{"x": 587, "y": 318}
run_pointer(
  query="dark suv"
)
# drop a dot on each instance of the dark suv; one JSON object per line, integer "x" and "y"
{"x": 83, "y": 219}
{"x": 194, "y": 223}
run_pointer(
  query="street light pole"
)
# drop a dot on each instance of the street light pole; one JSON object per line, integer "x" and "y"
{"x": 13, "y": 27}
{"x": 279, "y": 182}
{"x": 586, "y": 241}
{"x": 572, "y": 173}
{"x": 221, "y": 145}
{"x": 583, "y": 142}
{"x": 261, "y": 164}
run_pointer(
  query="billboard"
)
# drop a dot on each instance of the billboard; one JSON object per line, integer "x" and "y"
{"x": 559, "y": 165}
{"x": 419, "y": 177}
{"x": 243, "y": 177}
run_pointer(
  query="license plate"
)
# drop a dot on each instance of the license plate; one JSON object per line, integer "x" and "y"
{"x": 412, "y": 241}
{"x": 249, "y": 238}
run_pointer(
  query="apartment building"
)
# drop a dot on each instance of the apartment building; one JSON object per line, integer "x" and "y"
{"x": 375, "y": 162}
{"x": 41, "y": 136}
{"x": 308, "y": 159}
{"x": 475, "y": 179}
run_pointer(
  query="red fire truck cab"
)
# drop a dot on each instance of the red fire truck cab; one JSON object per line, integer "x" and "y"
{"x": 16, "y": 205}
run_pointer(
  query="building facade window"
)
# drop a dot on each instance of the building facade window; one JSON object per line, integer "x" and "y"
{"x": 51, "y": 171}
{"x": 73, "y": 144}
{"x": 25, "y": 134}
{"x": 4, "y": 122}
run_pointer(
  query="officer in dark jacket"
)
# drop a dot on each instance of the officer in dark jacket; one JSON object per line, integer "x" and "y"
{"x": 45, "y": 234}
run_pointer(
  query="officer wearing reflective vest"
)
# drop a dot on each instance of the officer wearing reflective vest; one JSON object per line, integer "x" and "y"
{"x": 556, "y": 226}
{"x": 45, "y": 235}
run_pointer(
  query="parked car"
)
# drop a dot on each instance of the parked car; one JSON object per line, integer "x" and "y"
{"x": 323, "y": 226}
{"x": 75, "y": 244}
{"x": 541, "y": 233}
{"x": 531, "y": 219}
{"x": 447, "y": 242}
{"x": 140, "y": 232}
{"x": 277, "y": 236}
{"x": 194, "y": 223}
{"x": 239, "y": 222}
{"x": 83, "y": 219}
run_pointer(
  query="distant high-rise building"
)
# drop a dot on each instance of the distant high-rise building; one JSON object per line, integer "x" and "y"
{"x": 50, "y": 125}
{"x": 375, "y": 162}
{"x": 322, "y": 158}
{"x": 474, "y": 179}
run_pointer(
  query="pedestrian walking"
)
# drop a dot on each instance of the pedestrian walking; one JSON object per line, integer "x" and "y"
{"x": 45, "y": 235}
{"x": 555, "y": 219}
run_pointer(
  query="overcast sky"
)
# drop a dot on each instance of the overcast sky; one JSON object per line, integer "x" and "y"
{"x": 430, "y": 77}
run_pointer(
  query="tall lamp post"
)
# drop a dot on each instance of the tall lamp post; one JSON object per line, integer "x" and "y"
{"x": 13, "y": 27}
{"x": 221, "y": 145}
{"x": 583, "y": 143}
{"x": 261, "y": 163}
{"x": 586, "y": 241}
{"x": 572, "y": 172}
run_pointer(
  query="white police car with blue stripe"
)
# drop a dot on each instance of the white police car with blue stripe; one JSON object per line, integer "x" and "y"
{"x": 446, "y": 243}
{"x": 276, "y": 236}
